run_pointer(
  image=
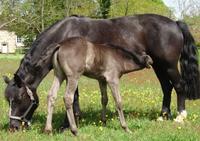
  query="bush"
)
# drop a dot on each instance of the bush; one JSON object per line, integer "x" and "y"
{"x": 198, "y": 45}
{"x": 21, "y": 50}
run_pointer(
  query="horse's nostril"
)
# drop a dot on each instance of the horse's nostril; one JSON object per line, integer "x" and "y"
{"x": 16, "y": 128}
{"x": 13, "y": 129}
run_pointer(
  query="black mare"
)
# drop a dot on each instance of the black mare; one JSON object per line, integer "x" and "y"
{"x": 165, "y": 40}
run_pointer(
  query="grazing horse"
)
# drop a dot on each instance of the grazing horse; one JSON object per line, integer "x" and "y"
{"x": 102, "y": 62}
{"x": 165, "y": 40}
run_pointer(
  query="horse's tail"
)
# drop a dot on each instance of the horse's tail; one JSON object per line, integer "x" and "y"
{"x": 189, "y": 64}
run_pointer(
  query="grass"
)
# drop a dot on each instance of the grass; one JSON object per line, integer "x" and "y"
{"x": 142, "y": 99}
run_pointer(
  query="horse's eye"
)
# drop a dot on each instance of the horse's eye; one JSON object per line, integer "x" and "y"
{"x": 16, "y": 101}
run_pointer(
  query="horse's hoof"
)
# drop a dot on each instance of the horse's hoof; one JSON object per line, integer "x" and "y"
{"x": 160, "y": 118}
{"x": 181, "y": 117}
{"x": 63, "y": 129}
{"x": 177, "y": 120}
{"x": 104, "y": 123}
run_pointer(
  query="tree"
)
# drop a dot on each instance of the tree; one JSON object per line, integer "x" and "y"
{"x": 131, "y": 7}
{"x": 104, "y": 8}
{"x": 28, "y": 18}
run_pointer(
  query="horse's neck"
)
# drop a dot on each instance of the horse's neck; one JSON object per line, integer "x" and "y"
{"x": 31, "y": 80}
{"x": 34, "y": 68}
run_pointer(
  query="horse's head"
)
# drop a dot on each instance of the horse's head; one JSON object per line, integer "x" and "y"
{"x": 22, "y": 102}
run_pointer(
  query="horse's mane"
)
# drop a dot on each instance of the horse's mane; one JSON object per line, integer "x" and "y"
{"x": 41, "y": 36}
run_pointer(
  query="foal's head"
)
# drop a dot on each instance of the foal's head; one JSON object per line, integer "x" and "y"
{"x": 22, "y": 102}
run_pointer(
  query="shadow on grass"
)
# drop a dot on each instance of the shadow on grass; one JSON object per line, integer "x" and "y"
{"x": 93, "y": 117}
{"x": 89, "y": 117}
{"x": 4, "y": 127}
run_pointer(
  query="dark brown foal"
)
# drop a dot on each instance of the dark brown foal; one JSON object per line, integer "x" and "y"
{"x": 77, "y": 56}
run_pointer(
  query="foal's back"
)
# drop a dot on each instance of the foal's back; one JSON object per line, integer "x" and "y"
{"x": 78, "y": 56}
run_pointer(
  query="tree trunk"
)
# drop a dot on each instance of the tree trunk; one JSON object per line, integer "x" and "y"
{"x": 42, "y": 15}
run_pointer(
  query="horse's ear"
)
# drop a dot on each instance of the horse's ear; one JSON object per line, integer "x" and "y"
{"x": 6, "y": 79}
{"x": 18, "y": 80}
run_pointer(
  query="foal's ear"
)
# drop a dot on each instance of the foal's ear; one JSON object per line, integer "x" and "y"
{"x": 6, "y": 79}
{"x": 18, "y": 80}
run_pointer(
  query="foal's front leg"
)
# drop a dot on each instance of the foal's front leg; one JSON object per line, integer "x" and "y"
{"x": 104, "y": 99}
{"x": 51, "y": 100}
{"x": 114, "y": 86}
{"x": 72, "y": 83}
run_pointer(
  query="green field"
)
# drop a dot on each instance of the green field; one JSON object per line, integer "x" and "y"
{"x": 142, "y": 99}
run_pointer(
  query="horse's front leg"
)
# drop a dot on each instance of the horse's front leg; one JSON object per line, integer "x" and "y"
{"x": 104, "y": 99}
{"x": 68, "y": 99}
{"x": 114, "y": 86}
{"x": 51, "y": 100}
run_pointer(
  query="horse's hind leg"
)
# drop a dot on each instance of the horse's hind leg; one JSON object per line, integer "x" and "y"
{"x": 147, "y": 60}
{"x": 167, "y": 89}
{"x": 72, "y": 83}
{"x": 113, "y": 83}
{"x": 176, "y": 81}
{"x": 58, "y": 78}
{"x": 104, "y": 99}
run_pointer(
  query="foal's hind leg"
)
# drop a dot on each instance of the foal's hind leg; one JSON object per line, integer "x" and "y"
{"x": 104, "y": 99}
{"x": 72, "y": 83}
{"x": 51, "y": 100}
{"x": 113, "y": 82}
{"x": 76, "y": 110}
{"x": 167, "y": 89}
{"x": 176, "y": 81}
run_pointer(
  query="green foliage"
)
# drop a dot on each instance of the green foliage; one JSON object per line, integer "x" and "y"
{"x": 32, "y": 17}
{"x": 104, "y": 8}
{"x": 21, "y": 50}
{"x": 194, "y": 23}
{"x": 131, "y": 7}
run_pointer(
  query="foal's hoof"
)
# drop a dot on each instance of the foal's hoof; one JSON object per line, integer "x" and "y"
{"x": 48, "y": 131}
{"x": 128, "y": 130}
{"x": 74, "y": 132}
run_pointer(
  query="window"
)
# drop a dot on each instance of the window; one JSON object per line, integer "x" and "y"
{"x": 19, "y": 39}
{"x": 4, "y": 44}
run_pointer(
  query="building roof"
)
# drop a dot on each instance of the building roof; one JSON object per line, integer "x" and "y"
{"x": 4, "y": 27}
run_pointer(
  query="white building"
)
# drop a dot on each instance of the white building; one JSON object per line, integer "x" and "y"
{"x": 9, "y": 41}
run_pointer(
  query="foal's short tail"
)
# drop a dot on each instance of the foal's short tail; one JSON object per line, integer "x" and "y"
{"x": 189, "y": 64}
{"x": 55, "y": 58}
